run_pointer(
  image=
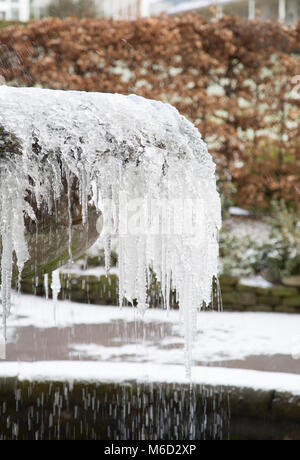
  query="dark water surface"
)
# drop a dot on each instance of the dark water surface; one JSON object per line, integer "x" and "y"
{"x": 34, "y": 411}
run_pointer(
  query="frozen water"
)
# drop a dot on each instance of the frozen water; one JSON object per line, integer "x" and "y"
{"x": 55, "y": 285}
{"x": 141, "y": 163}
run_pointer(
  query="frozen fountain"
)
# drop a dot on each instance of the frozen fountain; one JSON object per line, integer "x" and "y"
{"x": 75, "y": 165}
{"x": 137, "y": 163}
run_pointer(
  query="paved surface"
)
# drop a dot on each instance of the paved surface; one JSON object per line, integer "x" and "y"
{"x": 38, "y": 330}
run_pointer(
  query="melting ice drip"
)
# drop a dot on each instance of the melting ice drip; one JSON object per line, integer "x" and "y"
{"x": 141, "y": 163}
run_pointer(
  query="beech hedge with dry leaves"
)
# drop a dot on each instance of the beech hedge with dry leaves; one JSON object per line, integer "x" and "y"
{"x": 236, "y": 80}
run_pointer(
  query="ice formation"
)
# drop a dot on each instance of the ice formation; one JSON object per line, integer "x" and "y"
{"x": 141, "y": 163}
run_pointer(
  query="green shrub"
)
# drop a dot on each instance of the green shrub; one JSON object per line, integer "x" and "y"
{"x": 274, "y": 258}
{"x": 281, "y": 255}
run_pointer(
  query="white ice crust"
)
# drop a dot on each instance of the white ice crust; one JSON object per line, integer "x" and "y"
{"x": 141, "y": 163}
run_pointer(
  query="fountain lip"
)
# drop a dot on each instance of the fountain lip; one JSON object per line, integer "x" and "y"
{"x": 152, "y": 123}
{"x": 9, "y": 144}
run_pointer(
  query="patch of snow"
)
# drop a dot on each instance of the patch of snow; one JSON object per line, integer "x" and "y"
{"x": 256, "y": 281}
{"x": 235, "y": 211}
{"x": 125, "y": 372}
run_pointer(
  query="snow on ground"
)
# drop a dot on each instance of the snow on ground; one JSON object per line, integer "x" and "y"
{"x": 68, "y": 341}
{"x": 220, "y": 336}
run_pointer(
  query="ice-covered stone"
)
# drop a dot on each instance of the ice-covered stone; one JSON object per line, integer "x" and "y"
{"x": 138, "y": 161}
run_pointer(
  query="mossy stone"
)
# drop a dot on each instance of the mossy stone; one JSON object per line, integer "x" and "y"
{"x": 246, "y": 298}
{"x": 228, "y": 280}
{"x": 230, "y": 298}
{"x": 268, "y": 300}
{"x": 282, "y": 291}
{"x": 48, "y": 238}
{"x": 286, "y": 309}
{"x": 258, "y": 308}
{"x": 291, "y": 281}
{"x": 245, "y": 288}
{"x": 292, "y": 301}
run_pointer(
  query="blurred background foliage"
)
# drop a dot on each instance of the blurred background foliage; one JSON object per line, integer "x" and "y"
{"x": 233, "y": 78}
{"x": 236, "y": 80}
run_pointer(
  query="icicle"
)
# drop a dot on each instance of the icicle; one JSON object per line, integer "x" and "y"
{"x": 142, "y": 164}
{"x": 46, "y": 285}
{"x": 6, "y": 268}
{"x": 55, "y": 285}
{"x": 12, "y": 234}
{"x": 68, "y": 178}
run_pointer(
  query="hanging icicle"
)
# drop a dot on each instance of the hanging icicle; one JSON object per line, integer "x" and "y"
{"x": 142, "y": 164}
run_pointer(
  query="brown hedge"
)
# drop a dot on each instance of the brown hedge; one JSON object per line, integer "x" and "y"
{"x": 231, "y": 77}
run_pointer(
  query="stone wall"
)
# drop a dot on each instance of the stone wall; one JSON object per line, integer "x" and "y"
{"x": 236, "y": 296}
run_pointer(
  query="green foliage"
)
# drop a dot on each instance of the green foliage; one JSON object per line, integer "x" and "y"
{"x": 92, "y": 261}
{"x": 240, "y": 255}
{"x": 4, "y": 24}
{"x": 231, "y": 77}
{"x": 275, "y": 258}
{"x": 281, "y": 256}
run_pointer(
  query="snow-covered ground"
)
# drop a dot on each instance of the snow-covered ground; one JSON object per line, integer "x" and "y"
{"x": 69, "y": 341}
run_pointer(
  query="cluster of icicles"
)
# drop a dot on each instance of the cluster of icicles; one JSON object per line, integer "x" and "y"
{"x": 141, "y": 163}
